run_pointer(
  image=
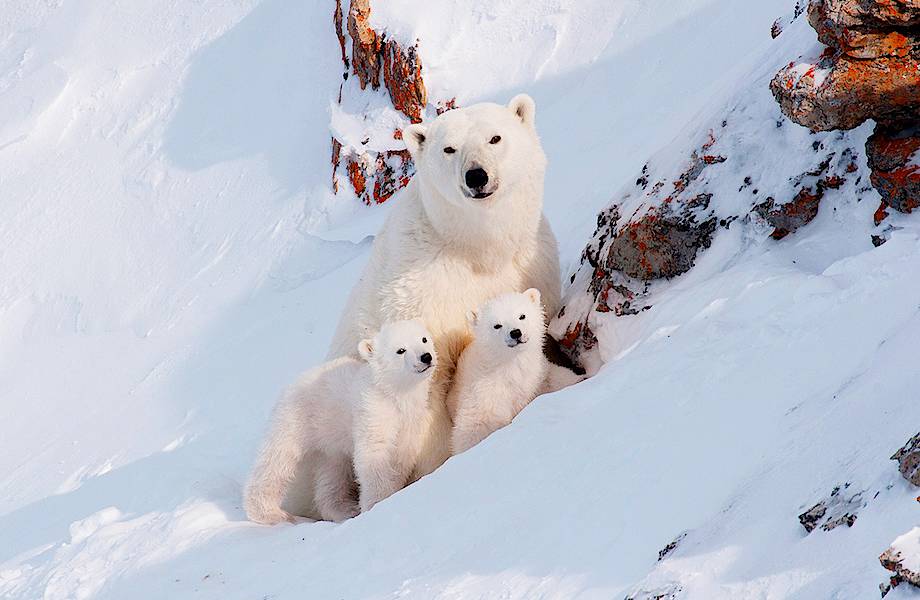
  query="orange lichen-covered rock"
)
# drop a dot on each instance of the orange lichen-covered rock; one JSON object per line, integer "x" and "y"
{"x": 871, "y": 14}
{"x": 402, "y": 74}
{"x": 870, "y": 70}
{"x": 376, "y": 171}
{"x": 894, "y": 157}
{"x": 656, "y": 247}
{"x": 365, "y": 44}
{"x": 841, "y": 93}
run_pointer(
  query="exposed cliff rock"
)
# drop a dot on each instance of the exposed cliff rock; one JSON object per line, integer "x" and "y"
{"x": 375, "y": 166}
{"x": 894, "y": 155}
{"x": 908, "y": 459}
{"x": 841, "y": 507}
{"x": 870, "y": 69}
{"x": 738, "y": 173}
{"x": 903, "y": 560}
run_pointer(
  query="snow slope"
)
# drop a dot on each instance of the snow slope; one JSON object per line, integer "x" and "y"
{"x": 173, "y": 256}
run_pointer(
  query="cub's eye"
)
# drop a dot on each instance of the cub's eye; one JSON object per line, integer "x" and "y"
{"x": 424, "y": 340}
{"x": 522, "y": 317}
{"x": 495, "y": 139}
{"x": 498, "y": 326}
{"x": 449, "y": 150}
{"x": 401, "y": 351}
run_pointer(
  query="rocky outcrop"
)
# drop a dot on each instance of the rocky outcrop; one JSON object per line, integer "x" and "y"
{"x": 903, "y": 560}
{"x": 908, "y": 459}
{"x": 375, "y": 61}
{"x": 840, "y": 508}
{"x": 894, "y": 156}
{"x": 657, "y": 228}
{"x": 870, "y": 69}
{"x": 668, "y": 591}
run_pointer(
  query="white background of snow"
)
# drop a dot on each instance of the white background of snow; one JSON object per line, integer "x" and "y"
{"x": 172, "y": 256}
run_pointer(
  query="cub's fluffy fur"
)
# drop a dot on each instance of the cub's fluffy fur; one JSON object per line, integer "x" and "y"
{"x": 357, "y": 420}
{"x": 501, "y": 371}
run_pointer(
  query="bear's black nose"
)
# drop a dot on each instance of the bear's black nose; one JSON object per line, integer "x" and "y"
{"x": 515, "y": 334}
{"x": 426, "y": 358}
{"x": 476, "y": 178}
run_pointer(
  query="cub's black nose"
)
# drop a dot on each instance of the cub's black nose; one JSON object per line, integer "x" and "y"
{"x": 515, "y": 334}
{"x": 426, "y": 358}
{"x": 476, "y": 178}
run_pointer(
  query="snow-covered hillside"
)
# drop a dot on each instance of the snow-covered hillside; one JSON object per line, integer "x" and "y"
{"x": 173, "y": 255}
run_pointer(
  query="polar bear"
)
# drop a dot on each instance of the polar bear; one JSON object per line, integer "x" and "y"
{"x": 468, "y": 227}
{"x": 358, "y": 420}
{"x": 502, "y": 369}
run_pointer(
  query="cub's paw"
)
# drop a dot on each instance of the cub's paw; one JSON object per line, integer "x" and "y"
{"x": 271, "y": 516}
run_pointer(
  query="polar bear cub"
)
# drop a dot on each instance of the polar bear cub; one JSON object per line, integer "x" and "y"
{"x": 502, "y": 369}
{"x": 361, "y": 419}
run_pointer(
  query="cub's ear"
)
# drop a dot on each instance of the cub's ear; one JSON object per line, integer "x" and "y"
{"x": 533, "y": 294}
{"x": 523, "y": 106}
{"x": 414, "y": 137}
{"x": 366, "y": 349}
{"x": 472, "y": 318}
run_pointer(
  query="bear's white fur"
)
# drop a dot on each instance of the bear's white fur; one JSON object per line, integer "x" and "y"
{"x": 501, "y": 371}
{"x": 361, "y": 419}
{"x": 443, "y": 252}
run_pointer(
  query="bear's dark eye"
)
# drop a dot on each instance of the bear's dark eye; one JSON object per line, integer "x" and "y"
{"x": 449, "y": 150}
{"x": 401, "y": 351}
{"x": 424, "y": 340}
{"x": 522, "y": 317}
{"x": 498, "y": 326}
{"x": 495, "y": 139}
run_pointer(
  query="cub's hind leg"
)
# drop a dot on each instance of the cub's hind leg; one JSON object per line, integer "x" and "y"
{"x": 336, "y": 495}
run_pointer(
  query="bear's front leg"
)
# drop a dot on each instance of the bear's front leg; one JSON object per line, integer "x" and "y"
{"x": 376, "y": 471}
{"x": 435, "y": 446}
{"x": 472, "y": 427}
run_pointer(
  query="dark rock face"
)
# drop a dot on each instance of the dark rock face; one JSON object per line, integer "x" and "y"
{"x": 830, "y": 174}
{"x": 663, "y": 592}
{"x": 908, "y": 459}
{"x": 667, "y": 550}
{"x": 894, "y": 156}
{"x": 840, "y": 508}
{"x": 869, "y": 70}
{"x": 677, "y": 208}
{"x": 657, "y": 247}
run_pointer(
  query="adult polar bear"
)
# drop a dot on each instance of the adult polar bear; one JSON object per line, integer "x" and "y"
{"x": 468, "y": 227}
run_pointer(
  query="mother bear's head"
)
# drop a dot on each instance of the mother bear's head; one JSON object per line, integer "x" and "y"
{"x": 478, "y": 156}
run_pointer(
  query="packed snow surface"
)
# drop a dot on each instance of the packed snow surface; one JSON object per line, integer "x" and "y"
{"x": 173, "y": 256}
{"x": 908, "y": 547}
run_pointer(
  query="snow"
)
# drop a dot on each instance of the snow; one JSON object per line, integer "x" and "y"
{"x": 173, "y": 256}
{"x": 907, "y": 547}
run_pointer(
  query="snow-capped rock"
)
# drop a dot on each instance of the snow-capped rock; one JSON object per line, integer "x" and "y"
{"x": 908, "y": 458}
{"x": 903, "y": 559}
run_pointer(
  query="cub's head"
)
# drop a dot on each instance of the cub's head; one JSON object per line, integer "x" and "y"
{"x": 511, "y": 322}
{"x": 471, "y": 155}
{"x": 401, "y": 354}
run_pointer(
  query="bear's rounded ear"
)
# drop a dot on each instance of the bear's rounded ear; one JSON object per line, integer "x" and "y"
{"x": 472, "y": 318}
{"x": 524, "y": 108}
{"x": 414, "y": 137}
{"x": 533, "y": 294}
{"x": 366, "y": 349}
